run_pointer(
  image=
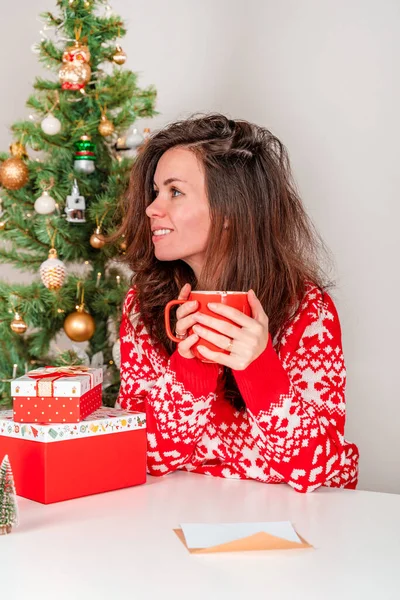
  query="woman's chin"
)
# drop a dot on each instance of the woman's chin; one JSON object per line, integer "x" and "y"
{"x": 166, "y": 256}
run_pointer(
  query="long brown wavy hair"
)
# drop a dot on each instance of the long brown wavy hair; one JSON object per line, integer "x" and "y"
{"x": 270, "y": 244}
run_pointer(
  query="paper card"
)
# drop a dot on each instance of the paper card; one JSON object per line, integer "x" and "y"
{"x": 205, "y": 535}
{"x": 233, "y": 537}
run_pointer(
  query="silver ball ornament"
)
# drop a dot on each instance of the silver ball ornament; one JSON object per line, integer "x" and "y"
{"x": 84, "y": 166}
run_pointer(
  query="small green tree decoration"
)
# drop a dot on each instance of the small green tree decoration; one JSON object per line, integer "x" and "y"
{"x": 8, "y": 502}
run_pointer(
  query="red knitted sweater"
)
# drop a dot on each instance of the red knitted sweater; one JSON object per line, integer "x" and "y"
{"x": 293, "y": 427}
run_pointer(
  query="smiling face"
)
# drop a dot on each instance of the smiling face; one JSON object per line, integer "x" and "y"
{"x": 179, "y": 214}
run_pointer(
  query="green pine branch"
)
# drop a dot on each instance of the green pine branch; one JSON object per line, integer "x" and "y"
{"x": 49, "y": 53}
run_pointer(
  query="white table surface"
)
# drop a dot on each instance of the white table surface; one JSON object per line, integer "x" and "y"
{"x": 121, "y": 544}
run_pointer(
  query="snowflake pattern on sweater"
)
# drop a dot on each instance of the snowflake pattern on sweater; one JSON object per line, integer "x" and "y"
{"x": 293, "y": 427}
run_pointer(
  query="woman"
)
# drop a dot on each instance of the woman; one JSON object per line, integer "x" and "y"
{"x": 211, "y": 206}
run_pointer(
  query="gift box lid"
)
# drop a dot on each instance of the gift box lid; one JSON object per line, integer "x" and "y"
{"x": 54, "y": 382}
{"x": 101, "y": 422}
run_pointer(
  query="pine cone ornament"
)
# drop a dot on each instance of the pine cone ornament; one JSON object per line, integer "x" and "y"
{"x": 53, "y": 271}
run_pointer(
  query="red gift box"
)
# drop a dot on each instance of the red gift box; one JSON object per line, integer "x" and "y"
{"x": 56, "y": 410}
{"x": 56, "y": 394}
{"x": 58, "y": 462}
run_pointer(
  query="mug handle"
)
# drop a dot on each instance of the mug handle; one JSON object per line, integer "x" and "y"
{"x": 167, "y": 319}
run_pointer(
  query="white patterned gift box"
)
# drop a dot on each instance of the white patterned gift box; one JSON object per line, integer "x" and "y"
{"x": 57, "y": 394}
{"x": 102, "y": 421}
{"x": 83, "y": 380}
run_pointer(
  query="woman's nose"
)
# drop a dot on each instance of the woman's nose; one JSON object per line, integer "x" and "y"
{"x": 156, "y": 209}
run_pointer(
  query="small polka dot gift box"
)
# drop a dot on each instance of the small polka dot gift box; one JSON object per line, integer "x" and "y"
{"x": 56, "y": 394}
{"x": 106, "y": 451}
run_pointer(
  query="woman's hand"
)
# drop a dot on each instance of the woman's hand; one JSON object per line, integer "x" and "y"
{"x": 245, "y": 340}
{"x": 186, "y": 320}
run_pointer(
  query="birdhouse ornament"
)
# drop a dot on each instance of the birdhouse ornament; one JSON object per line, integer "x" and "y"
{"x": 75, "y": 71}
{"x": 76, "y": 206}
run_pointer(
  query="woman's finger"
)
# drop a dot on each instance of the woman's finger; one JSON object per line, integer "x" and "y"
{"x": 186, "y": 309}
{"x": 184, "y": 347}
{"x": 223, "y": 327}
{"x": 257, "y": 310}
{"x": 185, "y": 292}
{"x": 231, "y": 313}
{"x": 221, "y": 341}
{"x": 182, "y": 325}
{"x": 218, "y": 357}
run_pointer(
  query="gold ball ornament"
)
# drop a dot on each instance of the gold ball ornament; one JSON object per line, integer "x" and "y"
{"x": 79, "y": 325}
{"x": 14, "y": 173}
{"x": 106, "y": 127}
{"x": 53, "y": 271}
{"x": 2, "y": 225}
{"x": 97, "y": 239}
{"x": 18, "y": 325}
{"x": 119, "y": 56}
{"x": 123, "y": 246}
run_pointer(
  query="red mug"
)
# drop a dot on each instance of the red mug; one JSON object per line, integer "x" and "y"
{"x": 237, "y": 300}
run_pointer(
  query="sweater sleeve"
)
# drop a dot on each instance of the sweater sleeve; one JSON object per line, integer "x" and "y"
{"x": 177, "y": 398}
{"x": 296, "y": 401}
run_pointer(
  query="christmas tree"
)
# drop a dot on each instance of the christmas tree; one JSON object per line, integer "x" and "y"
{"x": 8, "y": 502}
{"x": 61, "y": 185}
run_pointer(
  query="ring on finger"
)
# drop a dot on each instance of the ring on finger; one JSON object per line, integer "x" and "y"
{"x": 180, "y": 336}
{"x": 229, "y": 346}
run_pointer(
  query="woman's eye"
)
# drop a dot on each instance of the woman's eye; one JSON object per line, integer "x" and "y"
{"x": 155, "y": 194}
{"x": 175, "y": 192}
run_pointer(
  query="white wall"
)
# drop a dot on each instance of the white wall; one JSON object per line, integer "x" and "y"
{"x": 323, "y": 76}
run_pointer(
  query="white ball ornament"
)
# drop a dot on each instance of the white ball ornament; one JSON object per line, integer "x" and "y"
{"x": 51, "y": 125}
{"x": 134, "y": 139}
{"x": 45, "y": 204}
